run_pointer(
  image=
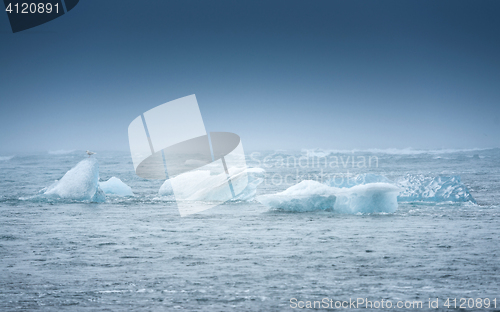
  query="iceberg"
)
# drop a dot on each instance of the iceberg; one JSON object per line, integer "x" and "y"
{"x": 433, "y": 189}
{"x": 188, "y": 179}
{"x": 415, "y": 188}
{"x": 313, "y": 196}
{"x": 81, "y": 183}
{"x": 255, "y": 178}
{"x": 116, "y": 187}
{"x": 305, "y": 196}
{"x": 367, "y": 198}
{"x": 199, "y": 185}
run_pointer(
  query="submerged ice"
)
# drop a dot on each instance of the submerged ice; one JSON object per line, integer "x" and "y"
{"x": 81, "y": 183}
{"x": 311, "y": 196}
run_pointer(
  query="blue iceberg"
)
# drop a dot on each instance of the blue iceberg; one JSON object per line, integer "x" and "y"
{"x": 305, "y": 196}
{"x": 313, "y": 196}
{"x": 418, "y": 188}
{"x": 375, "y": 197}
{"x": 415, "y": 188}
{"x": 81, "y": 183}
{"x": 116, "y": 187}
{"x": 255, "y": 178}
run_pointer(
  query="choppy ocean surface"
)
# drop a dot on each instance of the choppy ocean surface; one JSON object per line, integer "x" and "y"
{"x": 138, "y": 254}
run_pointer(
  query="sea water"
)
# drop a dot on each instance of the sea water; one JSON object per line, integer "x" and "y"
{"x": 135, "y": 253}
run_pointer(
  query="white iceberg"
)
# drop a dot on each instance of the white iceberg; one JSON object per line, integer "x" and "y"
{"x": 433, "y": 189}
{"x": 305, "y": 196}
{"x": 116, "y": 187}
{"x": 199, "y": 185}
{"x": 312, "y": 196}
{"x": 81, "y": 183}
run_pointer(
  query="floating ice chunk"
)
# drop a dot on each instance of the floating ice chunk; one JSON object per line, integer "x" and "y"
{"x": 311, "y": 196}
{"x": 255, "y": 178}
{"x": 166, "y": 189}
{"x": 367, "y": 198}
{"x": 115, "y": 186}
{"x": 189, "y": 180}
{"x": 433, "y": 189}
{"x": 80, "y": 183}
{"x": 415, "y": 188}
{"x": 199, "y": 185}
{"x": 305, "y": 196}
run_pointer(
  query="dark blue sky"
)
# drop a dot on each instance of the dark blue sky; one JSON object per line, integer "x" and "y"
{"x": 281, "y": 74}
